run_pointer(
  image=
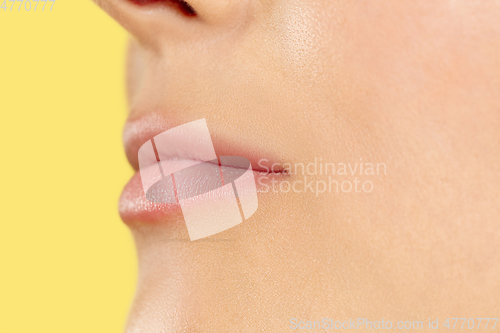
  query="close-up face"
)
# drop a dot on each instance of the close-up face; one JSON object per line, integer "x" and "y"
{"x": 372, "y": 131}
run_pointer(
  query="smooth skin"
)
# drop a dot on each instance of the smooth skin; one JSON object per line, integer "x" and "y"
{"x": 411, "y": 84}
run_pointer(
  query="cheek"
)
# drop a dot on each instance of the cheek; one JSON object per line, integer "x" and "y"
{"x": 308, "y": 38}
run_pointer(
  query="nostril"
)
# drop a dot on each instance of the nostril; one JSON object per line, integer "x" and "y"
{"x": 180, "y": 5}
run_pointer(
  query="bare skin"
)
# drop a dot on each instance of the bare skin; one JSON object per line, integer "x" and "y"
{"x": 414, "y": 85}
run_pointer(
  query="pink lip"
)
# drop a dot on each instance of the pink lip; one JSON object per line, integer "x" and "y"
{"x": 133, "y": 205}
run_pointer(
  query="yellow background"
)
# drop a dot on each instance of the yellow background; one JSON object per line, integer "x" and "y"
{"x": 67, "y": 261}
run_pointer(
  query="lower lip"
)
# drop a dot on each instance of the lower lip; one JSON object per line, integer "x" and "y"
{"x": 135, "y": 207}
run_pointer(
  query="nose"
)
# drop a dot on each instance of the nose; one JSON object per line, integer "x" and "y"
{"x": 153, "y": 21}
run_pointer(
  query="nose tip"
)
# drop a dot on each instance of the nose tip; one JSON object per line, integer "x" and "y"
{"x": 210, "y": 11}
{"x": 156, "y": 22}
{"x": 180, "y": 5}
{"x": 219, "y": 11}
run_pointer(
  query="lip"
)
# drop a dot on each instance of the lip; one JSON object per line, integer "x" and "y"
{"x": 135, "y": 207}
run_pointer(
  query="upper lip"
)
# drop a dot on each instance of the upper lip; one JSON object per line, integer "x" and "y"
{"x": 140, "y": 130}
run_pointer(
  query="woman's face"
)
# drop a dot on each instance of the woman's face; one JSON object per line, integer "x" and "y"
{"x": 411, "y": 88}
